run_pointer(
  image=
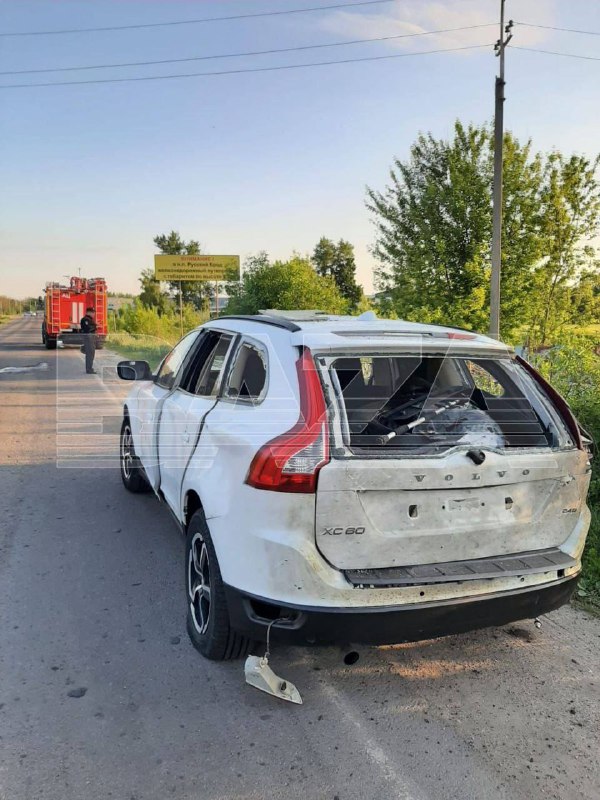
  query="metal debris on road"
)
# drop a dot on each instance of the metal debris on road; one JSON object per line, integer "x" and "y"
{"x": 42, "y": 366}
{"x": 260, "y": 675}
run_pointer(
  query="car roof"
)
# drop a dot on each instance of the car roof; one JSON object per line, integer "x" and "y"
{"x": 330, "y": 332}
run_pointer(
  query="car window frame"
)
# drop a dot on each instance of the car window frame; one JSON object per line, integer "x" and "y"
{"x": 177, "y": 375}
{"x": 264, "y": 354}
{"x": 219, "y": 383}
{"x": 216, "y": 389}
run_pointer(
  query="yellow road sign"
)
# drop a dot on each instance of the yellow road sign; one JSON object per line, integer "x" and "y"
{"x": 196, "y": 268}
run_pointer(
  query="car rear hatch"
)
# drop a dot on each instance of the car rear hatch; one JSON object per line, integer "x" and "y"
{"x": 442, "y": 457}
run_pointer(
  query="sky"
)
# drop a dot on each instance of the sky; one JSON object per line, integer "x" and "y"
{"x": 245, "y": 162}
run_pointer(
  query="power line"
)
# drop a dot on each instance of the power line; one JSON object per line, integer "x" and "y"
{"x": 556, "y": 53}
{"x": 246, "y": 70}
{"x": 200, "y": 21}
{"x": 250, "y": 53}
{"x": 554, "y": 28}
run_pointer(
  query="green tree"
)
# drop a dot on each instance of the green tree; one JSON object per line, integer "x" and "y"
{"x": 432, "y": 223}
{"x": 585, "y": 298}
{"x": 433, "y": 229}
{"x": 152, "y": 295}
{"x": 570, "y": 220}
{"x": 522, "y": 242}
{"x": 195, "y": 293}
{"x": 235, "y": 288}
{"x": 284, "y": 285}
{"x": 337, "y": 261}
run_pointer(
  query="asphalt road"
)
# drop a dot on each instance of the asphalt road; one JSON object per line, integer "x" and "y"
{"x": 92, "y": 604}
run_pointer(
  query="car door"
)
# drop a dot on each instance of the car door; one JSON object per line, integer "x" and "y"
{"x": 149, "y": 405}
{"x": 184, "y": 410}
{"x": 240, "y": 422}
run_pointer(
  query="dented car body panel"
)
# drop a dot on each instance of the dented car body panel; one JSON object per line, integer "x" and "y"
{"x": 429, "y": 510}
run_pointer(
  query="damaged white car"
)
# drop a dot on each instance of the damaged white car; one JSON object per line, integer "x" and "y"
{"x": 358, "y": 480}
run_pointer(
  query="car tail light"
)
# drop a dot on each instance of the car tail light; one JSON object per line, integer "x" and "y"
{"x": 291, "y": 462}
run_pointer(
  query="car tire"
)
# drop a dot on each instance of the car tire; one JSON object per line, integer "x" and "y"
{"x": 50, "y": 343}
{"x": 207, "y": 615}
{"x": 132, "y": 472}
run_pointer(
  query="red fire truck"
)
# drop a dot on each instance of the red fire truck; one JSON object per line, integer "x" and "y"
{"x": 66, "y": 305}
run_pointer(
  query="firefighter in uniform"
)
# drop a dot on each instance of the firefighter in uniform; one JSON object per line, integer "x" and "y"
{"x": 88, "y": 328}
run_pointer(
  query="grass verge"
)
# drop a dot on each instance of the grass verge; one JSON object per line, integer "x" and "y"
{"x": 139, "y": 347}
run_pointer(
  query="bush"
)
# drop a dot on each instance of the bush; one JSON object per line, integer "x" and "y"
{"x": 166, "y": 327}
{"x": 139, "y": 347}
{"x": 146, "y": 334}
{"x": 283, "y": 285}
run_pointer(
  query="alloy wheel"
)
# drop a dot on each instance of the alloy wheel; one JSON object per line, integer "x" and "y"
{"x": 199, "y": 583}
{"x": 127, "y": 452}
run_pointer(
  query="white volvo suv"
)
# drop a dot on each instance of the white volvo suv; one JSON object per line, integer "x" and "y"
{"x": 357, "y": 480}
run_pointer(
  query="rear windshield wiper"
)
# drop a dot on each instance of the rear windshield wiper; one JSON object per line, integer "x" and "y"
{"x": 386, "y": 434}
{"x": 448, "y": 398}
{"x": 391, "y": 414}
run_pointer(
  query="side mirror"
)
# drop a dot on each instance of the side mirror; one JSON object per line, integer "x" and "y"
{"x": 134, "y": 371}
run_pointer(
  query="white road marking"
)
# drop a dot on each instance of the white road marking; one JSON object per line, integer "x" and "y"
{"x": 403, "y": 789}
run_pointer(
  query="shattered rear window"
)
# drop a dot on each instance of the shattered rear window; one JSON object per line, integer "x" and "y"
{"x": 426, "y": 404}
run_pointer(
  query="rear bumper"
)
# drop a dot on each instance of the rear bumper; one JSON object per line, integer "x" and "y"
{"x": 391, "y": 624}
{"x": 74, "y": 337}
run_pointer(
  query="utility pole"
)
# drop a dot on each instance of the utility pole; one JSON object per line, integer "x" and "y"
{"x": 181, "y": 308}
{"x": 499, "y": 47}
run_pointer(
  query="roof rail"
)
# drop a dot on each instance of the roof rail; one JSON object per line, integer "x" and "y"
{"x": 297, "y": 315}
{"x": 265, "y": 319}
{"x": 454, "y": 328}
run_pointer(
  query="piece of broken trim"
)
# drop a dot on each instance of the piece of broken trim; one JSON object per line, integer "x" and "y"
{"x": 260, "y": 675}
{"x": 516, "y": 565}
